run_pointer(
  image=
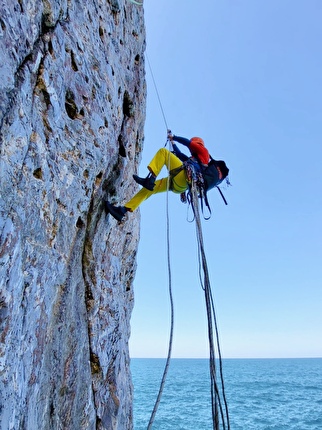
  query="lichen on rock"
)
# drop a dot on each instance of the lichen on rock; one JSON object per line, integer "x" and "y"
{"x": 72, "y": 111}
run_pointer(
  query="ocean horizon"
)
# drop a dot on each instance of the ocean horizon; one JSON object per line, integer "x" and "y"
{"x": 262, "y": 393}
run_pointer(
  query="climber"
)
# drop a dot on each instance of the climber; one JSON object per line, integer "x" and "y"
{"x": 176, "y": 181}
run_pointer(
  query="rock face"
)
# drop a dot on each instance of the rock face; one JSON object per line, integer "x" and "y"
{"x": 72, "y": 109}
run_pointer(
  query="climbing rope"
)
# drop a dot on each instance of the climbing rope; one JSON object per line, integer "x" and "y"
{"x": 218, "y": 398}
{"x": 157, "y": 92}
{"x": 166, "y": 368}
{"x": 165, "y": 372}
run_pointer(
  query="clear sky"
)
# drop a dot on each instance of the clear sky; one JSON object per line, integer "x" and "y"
{"x": 246, "y": 76}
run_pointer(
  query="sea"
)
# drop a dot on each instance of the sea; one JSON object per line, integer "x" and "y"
{"x": 262, "y": 394}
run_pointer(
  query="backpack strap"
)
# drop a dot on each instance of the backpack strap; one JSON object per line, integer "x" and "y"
{"x": 223, "y": 197}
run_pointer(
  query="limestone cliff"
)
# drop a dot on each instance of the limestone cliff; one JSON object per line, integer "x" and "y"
{"x": 72, "y": 109}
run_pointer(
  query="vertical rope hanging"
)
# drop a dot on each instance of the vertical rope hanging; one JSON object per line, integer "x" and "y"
{"x": 165, "y": 372}
{"x": 217, "y": 398}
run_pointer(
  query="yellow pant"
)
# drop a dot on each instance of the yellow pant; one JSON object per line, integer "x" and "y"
{"x": 162, "y": 158}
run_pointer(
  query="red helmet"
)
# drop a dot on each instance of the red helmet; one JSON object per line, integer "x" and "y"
{"x": 197, "y": 140}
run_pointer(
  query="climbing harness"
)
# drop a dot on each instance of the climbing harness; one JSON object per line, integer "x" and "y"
{"x": 195, "y": 175}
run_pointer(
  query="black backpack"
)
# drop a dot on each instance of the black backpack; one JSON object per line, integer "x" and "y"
{"x": 211, "y": 179}
{"x": 211, "y": 175}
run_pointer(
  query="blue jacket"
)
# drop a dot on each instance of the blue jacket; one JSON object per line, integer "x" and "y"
{"x": 184, "y": 141}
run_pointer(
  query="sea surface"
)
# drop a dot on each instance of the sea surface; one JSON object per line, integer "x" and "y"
{"x": 262, "y": 394}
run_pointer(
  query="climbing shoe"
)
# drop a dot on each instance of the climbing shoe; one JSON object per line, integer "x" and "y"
{"x": 147, "y": 182}
{"x": 117, "y": 212}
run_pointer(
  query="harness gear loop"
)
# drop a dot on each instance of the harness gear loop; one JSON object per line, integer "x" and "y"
{"x": 194, "y": 174}
{"x": 195, "y": 177}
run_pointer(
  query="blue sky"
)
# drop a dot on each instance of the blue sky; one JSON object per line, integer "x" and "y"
{"x": 246, "y": 76}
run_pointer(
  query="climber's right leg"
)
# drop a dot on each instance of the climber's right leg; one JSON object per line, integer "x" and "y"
{"x": 162, "y": 158}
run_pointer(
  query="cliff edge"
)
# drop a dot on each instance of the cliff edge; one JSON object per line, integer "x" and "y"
{"x": 72, "y": 110}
